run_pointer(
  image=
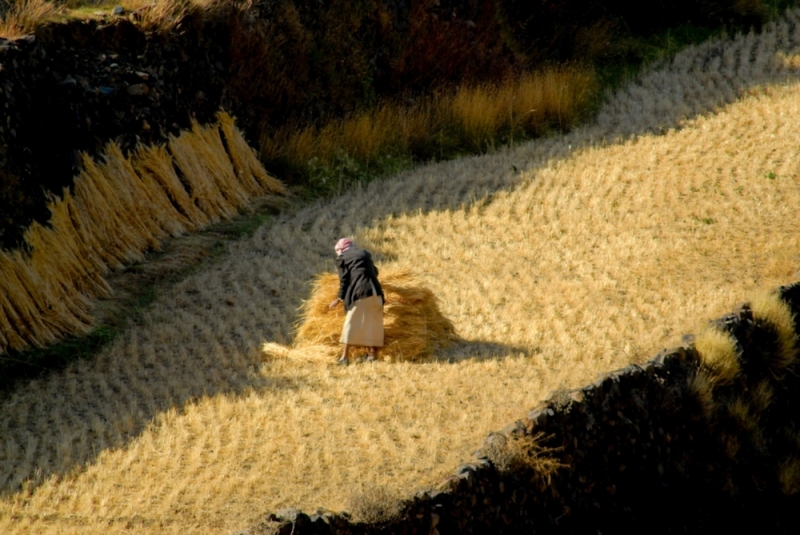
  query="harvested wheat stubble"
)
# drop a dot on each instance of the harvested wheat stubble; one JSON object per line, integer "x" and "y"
{"x": 414, "y": 325}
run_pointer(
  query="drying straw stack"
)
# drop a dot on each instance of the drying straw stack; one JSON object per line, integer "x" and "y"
{"x": 118, "y": 208}
{"x": 414, "y": 325}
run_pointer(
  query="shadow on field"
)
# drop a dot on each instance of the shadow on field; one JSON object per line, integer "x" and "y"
{"x": 462, "y": 350}
{"x": 206, "y": 338}
{"x": 67, "y": 420}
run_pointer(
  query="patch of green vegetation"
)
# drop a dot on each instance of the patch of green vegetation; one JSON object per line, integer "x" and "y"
{"x": 26, "y": 365}
{"x": 144, "y": 297}
{"x": 324, "y": 180}
{"x": 246, "y": 226}
{"x": 632, "y": 53}
{"x": 89, "y": 10}
{"x": 775, "y": 8}
{"x": 704, "y": 220}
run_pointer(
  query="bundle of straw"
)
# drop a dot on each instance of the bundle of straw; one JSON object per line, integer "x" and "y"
{"x": 156, "y": 163}
{"x": 251, "y": 173}
{"x": 197, "y": 167}
{"x": 414, "y": 325}
{"x": 107, "y": 214}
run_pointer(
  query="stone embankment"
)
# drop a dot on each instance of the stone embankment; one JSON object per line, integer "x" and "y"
{"x": 73, "y": 87}
{"x": 663, "y": 447}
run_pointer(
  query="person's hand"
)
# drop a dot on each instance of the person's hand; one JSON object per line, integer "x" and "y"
{"x": 333, "y": 304}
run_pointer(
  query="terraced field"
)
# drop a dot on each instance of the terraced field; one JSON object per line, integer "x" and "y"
{"x": 556, "y": 260}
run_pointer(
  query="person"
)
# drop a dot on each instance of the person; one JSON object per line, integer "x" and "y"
{"x": 363, "y": 300}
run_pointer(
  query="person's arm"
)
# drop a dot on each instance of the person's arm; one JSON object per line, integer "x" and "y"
{"x": 344, "y": 278}
{"x": 375, "y": 270}
{"x": 344, "y": 282}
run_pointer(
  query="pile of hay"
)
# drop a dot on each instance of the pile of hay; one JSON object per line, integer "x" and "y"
{"x": 414, "y": 325}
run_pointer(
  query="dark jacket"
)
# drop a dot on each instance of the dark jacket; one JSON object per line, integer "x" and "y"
{"x": 356, "y": 272}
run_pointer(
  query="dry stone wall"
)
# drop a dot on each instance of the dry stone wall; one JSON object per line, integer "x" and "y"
{"x": 644, "y": 449}
{"x": 74, "y": 87}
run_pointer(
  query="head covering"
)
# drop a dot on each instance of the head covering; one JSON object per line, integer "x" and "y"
{"x": 343, "y": 245}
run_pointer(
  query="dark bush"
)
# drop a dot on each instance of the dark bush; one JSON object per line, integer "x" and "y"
{"x": 558, "y": 30}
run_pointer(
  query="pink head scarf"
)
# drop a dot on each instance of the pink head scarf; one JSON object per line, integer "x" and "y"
{"x": 343, "y": 245}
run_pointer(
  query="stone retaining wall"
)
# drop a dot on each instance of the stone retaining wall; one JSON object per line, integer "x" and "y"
{"x": 76, "y": 86}
{"x": 644, "y": 449}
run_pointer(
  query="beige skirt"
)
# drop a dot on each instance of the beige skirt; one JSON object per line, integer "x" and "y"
{"x": 363, "y": 325}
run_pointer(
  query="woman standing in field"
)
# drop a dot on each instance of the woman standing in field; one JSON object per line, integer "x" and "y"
{"x": 363, "y": 299}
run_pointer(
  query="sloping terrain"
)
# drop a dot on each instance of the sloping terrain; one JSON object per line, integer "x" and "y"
{"x": 555, "y": 260}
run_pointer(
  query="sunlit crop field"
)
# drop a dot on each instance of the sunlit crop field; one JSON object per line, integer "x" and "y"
{"x": 556, "y": 260}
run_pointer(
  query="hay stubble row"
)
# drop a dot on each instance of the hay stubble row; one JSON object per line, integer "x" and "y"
{"x": 555, "y": 261}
